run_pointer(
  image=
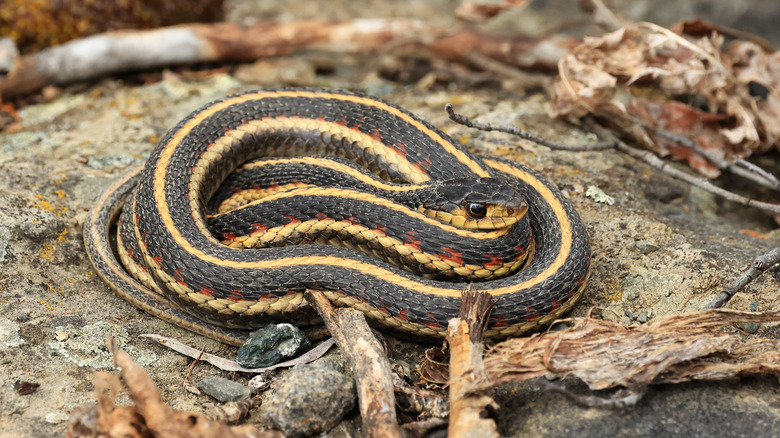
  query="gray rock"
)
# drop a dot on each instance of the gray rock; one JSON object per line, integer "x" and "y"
{"x": 39, "y": 225}
{"x": 224, "y": 390}
{"x": 270, "y": 344}
{"x": 5, "y": 241}
{"x": 645, "y": 247}
{"x": 312, "y": 398}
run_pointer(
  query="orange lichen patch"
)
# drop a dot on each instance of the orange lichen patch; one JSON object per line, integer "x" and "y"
{"x": 43, "y": 204}
{"x": 47, "y": 251}
{"x": 752, "y": 233}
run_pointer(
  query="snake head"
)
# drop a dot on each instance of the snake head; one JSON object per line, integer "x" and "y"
{"x": 484, "y": 203}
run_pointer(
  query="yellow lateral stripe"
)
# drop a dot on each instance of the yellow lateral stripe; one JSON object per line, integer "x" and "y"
{"x": 368, "y": 197}
{"x": 364, "y": 268}
{"x": 340, "y": 167}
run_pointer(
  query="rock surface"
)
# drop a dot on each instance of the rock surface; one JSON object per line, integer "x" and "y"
{"x": 661, "y": 249}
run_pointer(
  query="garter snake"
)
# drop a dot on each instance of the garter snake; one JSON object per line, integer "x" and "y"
{"x": 183, "y": 274}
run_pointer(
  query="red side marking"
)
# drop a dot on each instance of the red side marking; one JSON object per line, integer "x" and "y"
{"x": 533, "y": 314}
{"x": 520, "y": 251}
{"x": 500, "y": 322}
{"x": 321, "y": 119}
{"x": 413, "y": 243}
{"x": 130, "y": 252}
{"x": 381, "y": 230}
{"x": 352, "y": 220}
{"x": 236, "y": 295}
{"x": 258, "y": 227}
{"x": 494, "y": 260}
{"x": 382, "y": 309}
{"x": 321, "y": 216}
{"x": 434, "y": 323}
{"x": 180, "y": 277}
{"x": 291, "y": 292}
{"x": 159, "y": 261}
{"x": 207, "y": 291}
{"x": 451, "y": 255}
{"x": 268, "y": 295}
{"x": 356, "y": 127}
{"x": 399, "y": 148}
{"x": 402, "y": 315}
{"x": 423, "y": 166}
{"x": 292, "y": 219}
{"x": 374, "y": 133}
{"x": 556, "y": 305}
{"x": 581, "y": 281}
{"x": 342, "y": 122}
{"x": 228, "y": 236}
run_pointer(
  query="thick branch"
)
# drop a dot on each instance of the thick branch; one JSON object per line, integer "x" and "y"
{"x": 368, "y": 363}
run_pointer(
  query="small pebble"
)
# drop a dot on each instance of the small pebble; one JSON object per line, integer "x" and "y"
{"x": 645, "y": 247}
{"x": 270, "y": 344}
{"x": 223, "y": 389}
{"x": 310, "y": 399}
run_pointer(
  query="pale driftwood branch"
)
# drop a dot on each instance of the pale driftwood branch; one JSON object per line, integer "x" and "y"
{"x": 368, "y": 362}
{"x": 469, "y": 410}
{"x": 229, "y": 365}
{"x": 122, "y": 51}
{"x": 759, "y": 265}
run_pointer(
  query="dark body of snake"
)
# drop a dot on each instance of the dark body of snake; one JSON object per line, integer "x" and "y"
{"x": 184, "y": 274}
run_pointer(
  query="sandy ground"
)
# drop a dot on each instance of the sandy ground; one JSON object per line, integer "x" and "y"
{"x": 662, "y": 248}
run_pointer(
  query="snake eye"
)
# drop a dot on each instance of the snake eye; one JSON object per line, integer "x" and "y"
{"x": 476, "y": 210}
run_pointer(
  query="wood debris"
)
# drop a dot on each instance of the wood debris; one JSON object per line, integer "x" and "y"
{"x": 605, "y": 355}
{"x": 115, "y": 52}
{"x": 150, "y": 416}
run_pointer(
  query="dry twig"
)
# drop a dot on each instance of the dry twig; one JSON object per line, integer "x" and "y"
{"x": 367, "y": 362}
{"x": 665, "y": 167}
{"x": 614, "y": 143}
{"x": 469, "y": 410}
{"x": 759, "y": 265}
{"x": 525, "y": 135}
{"x": 150, "y": 416}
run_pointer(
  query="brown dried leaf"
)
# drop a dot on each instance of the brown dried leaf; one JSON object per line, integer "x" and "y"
{"x": 435, "y": 368}
{"x": 605, "y": 355}
{"x": 693, "y": 74}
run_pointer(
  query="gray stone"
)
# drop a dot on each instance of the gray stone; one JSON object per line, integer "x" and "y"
{"x": 223, "y": 389}
{"x": 270, "y": 344}
{"x": 39, "y": 225}
{"x": 312, "y": 398}
{"x": 645, "y": 247}
{"x": 5, "y": 240}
